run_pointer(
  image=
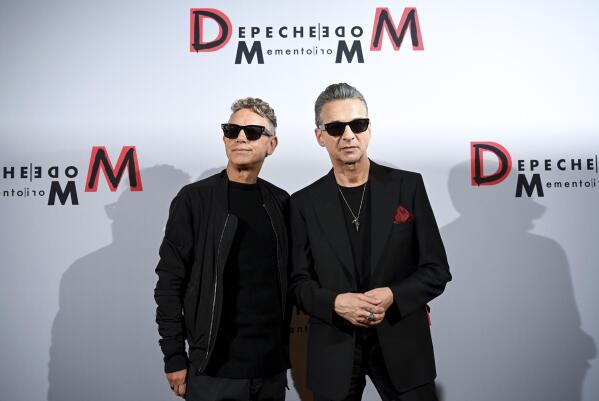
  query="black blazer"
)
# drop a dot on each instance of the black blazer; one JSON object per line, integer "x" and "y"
{"x": 408, "y": 257}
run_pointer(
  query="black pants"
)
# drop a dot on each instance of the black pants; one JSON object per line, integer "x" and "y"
{"x": 209, "y": 388}
{"x": 368, "y": 360}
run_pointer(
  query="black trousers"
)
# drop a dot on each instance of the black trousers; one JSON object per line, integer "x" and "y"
{"x": 368, "y": 360}
{"x": 209, "y": 388}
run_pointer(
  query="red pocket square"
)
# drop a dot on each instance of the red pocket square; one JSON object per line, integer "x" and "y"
{"x": 402, "y": 215}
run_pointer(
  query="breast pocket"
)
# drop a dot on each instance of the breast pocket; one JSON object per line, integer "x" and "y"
{"x": 402, "y": 237}
{"x": 406, "y": 227}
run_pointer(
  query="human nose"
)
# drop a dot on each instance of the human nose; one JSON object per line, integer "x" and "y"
{"x": 348, "y": 134}
{"x": 241, "y": 136}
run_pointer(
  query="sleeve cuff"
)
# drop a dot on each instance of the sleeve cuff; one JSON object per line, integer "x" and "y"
{"x": 175, "y": 363}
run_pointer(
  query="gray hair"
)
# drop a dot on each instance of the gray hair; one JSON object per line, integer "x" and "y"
{"x": 259, "y": 107}
{"x": 338, "y": 91}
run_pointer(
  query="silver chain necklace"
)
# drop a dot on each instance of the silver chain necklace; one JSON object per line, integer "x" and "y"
{"x": 355, "y": 221}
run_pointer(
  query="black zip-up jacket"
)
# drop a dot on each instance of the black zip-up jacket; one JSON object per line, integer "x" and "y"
{"x": 193, "y": 254}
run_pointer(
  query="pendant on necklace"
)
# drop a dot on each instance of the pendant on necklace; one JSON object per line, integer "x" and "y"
{"x": 356, "y": 223}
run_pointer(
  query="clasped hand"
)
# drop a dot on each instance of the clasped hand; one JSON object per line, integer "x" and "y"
{"x": 356, "y": 307}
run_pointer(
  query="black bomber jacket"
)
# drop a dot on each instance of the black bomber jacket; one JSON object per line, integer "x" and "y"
{"x": 193, "y": 253}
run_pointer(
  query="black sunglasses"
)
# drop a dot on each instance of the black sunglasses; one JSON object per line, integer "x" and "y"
{"x": 252, "y": 132}
{"x": 337, "y": 128}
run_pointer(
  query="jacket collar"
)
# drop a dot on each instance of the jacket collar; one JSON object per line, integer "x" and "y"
{"x": 221, "y": 193}
{"x": 384, "y": 195}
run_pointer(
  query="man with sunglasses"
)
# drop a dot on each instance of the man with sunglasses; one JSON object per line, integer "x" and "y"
{"x": 366, "y": 258}
{"x": 222, "y": 274}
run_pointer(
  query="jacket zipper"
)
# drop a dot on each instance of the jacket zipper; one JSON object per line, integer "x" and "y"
{"x": 283, "y": 298}
{"x": 215, "y": 289}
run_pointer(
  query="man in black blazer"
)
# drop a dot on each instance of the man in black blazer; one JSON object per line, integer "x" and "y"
{"x": 366, "y": 259}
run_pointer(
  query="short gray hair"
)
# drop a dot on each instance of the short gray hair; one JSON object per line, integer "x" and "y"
{"x": 259, "y": 107}
{"x": 338, "y": 91}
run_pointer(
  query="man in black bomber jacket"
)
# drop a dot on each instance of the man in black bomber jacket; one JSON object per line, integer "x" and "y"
{"x": 222, "y": 274}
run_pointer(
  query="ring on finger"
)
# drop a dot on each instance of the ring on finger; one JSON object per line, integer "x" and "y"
{"x": 370, "y": 317}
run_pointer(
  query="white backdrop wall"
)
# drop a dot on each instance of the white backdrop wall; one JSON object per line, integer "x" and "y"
{"x": 519, "y": 320}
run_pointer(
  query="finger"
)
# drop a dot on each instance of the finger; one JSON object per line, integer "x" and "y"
{"x": 378, "y": 318}
{"x": 376, "y": 309}
{"x": 377, "y": 313}
{"x": 364, "y": 314}
{"x": 180, "y": 390}
{"x": 359, "y": 324}
{"x": 371, "y": 321}
{"x": 368, "y": 307}
{"x": 359, "y": 320}
{"x": 370, "y": 318}
{"x": 362, "y": 307}
{"x": 368, "y": 298}
{"x": 376, "y": 299}
{"x": 360, "y": 316}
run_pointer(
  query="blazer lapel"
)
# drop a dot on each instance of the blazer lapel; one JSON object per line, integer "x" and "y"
{"x": 384, "y": 196}
{"x": 330, "y": 216}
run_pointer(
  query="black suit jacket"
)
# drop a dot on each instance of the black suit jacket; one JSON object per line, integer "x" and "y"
{"x": 408, "y": 257}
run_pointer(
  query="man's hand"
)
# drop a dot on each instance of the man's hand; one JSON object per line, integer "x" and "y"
{"x": 384, "y": 295}
{"x": 178, "y": 382}
{"x": 355, "y": 308}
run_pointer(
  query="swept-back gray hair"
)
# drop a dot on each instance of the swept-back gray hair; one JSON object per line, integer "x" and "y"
{"x": 338, "y": 91}
{"x": 259, "y": 107}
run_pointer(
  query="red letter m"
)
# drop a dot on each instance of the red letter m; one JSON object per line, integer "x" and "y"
{"x": 384, "y": 22}
{"x": 99, "y": 160}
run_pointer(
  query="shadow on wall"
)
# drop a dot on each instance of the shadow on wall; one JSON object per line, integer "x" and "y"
{"x": 511, "y": 327}
{"x": 104, "y": 336}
